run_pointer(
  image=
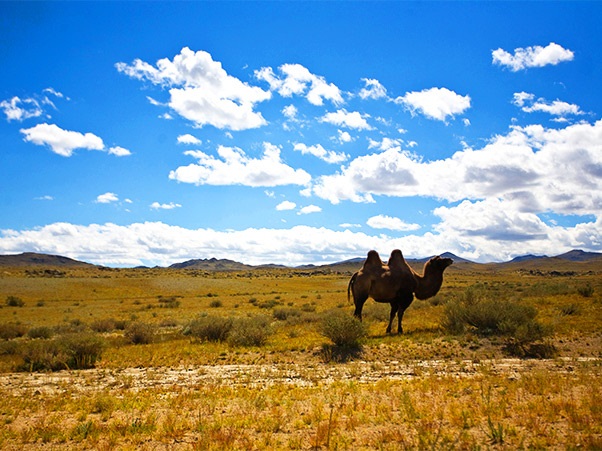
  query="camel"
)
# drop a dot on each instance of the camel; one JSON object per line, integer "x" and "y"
{"x": 395, "y": 283}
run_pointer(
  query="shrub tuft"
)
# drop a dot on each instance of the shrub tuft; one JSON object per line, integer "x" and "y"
{"x": 140, "y": 333}
{"x": 209, "y": 328}
{"x": 343, "y": 330}
{"x": 14, "y": 301}
{"x": 252, "y": 331}
{"x": 72, "y": 351}
{"x": 487, "y": 317}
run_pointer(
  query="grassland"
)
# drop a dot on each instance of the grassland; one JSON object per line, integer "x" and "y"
{"x": 427, "y": 389}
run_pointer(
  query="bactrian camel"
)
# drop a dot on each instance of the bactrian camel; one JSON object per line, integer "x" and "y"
{"x": 395, "y": 283}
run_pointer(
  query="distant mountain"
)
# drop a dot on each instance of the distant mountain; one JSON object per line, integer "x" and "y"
{"x": 454, "y": 257}
{"x": 212, "y": 264}
{"x": 35, "y": 259}
{"x": 578, "y": 255}
{"x": 528, "y": 257}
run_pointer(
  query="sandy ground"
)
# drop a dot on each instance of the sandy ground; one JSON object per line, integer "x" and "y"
{"x": 260, "y": 375}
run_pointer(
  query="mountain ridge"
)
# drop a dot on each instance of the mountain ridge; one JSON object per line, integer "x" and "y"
{"x": 214, "y": 264}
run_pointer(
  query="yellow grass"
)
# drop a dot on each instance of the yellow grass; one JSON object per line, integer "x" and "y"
{"x": 424, "y": 390}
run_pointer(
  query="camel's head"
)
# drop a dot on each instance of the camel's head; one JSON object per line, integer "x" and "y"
{"x": 438, "y": 263}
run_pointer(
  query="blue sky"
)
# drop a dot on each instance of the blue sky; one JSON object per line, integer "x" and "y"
{"x": 299, "y": 132}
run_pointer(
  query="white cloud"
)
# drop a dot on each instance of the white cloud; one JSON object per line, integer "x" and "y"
{"x": 535, "y": 56}
{"x": 61, "y": 142}
{"x": 435, "y": 103}
{"x": 286, "y": 205}
{"x": 290, "y": 112}
{"x": 329, "y": 156}
{"x": 234, "y": 167}
{"x": 343, "y": 118}
{"x": 44, "y": 198}
{"x": 119, "y": 151}
{"x": 528, "y": 104}
{"x": 188, "y": 139}
{"x": 107, "y": 198}
{"x": 535, "y": 168}
{"x": 155, "y": 243}
{"x": 309, "y": 209}
{"x": 344, "y": 137}
{"x": 169, "y": 206}
{"x": 17, "y": 109}
{"x": 384, "y": 144}
{"x": 298, "y": 80}
{"x": 202, "y": 91}
{"x": 388, "y": 222}
{"x": 372, "y": 90}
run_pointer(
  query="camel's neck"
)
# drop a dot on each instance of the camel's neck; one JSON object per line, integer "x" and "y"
{"x": 428, "y": 285}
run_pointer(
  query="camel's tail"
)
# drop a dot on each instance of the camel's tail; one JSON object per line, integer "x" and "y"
{"x": 350, "y": 286}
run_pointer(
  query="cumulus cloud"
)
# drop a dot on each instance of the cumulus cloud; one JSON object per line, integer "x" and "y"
{"x": 169, "y": 206}
{"x": 294, "y": 79}
{"x": 343, "y": 118}
{"x": 107, "y": 198}
{"x": 309, "y": 209}
{"x": 286, "y": 205}
{"x": 64, "y": 142}
{"x": 388, "y": 222}
{"x": 529, "y": 104}
{"x": 343, "y": 137}
{"x": 202, "y": 91}
{"x": 435, "y": 103}
{"x": 535, "y": 168}
{"x": 61, "y": 142}
{"x": 17, "y": 109}
{"x": 329, "y": 156}
{"x": 155, "y": 243}
{"x": 535, "y": 56}
{"x": 119, "y": 151}
{"x": 234, "y": 167}
{"x": 373, "y": 90}
{"x": 188, "y": 139}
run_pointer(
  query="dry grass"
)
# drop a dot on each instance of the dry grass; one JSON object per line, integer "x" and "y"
{"x": 423, "y": 390}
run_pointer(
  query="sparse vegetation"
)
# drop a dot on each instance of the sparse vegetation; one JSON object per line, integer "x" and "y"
{"x": 230, "y": 378}
{"x": 252, "y": 331}
{"x": 343, "y": 330}
{"x": 140, "y": 333}
{"x": 14, "y": 301}
{"x": 209, "y": 328}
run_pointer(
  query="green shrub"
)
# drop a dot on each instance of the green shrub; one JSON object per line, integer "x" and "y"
{"x": 140, "y": 333}
{"x": 487, "y": 317}
{"x": 168, "y": 302}
{"x": 209, "y": 328}
{"x": 570, "y": 309}
{"x": 216, "y": 303}
{"x": 282, "y": 314}
{"x": 72, "y": 351}
{"x": 40, "y": 332}
{"x": 14, "y": 301}
{"x": 103, "y": 325}
{"x": 253, "y": 331}
{"x": 8, "y": 331}
{"x": 587, "y": 291}
{"x": 343, "y": 330}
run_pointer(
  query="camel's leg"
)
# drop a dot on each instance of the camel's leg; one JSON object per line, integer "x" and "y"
{"x": 405, "y": 301}
{"x": 394, "y": 309}
{"x": 359, "y": 299}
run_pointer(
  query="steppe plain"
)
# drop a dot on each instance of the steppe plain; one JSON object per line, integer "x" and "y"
{"x": 427, "y": 389}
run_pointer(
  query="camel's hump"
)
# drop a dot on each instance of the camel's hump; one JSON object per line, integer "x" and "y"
{"x": 373, "y": 260}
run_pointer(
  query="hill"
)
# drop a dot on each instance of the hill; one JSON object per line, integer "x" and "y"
{"x": 212, "y": 264}
{"x": 35, "y": 259}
